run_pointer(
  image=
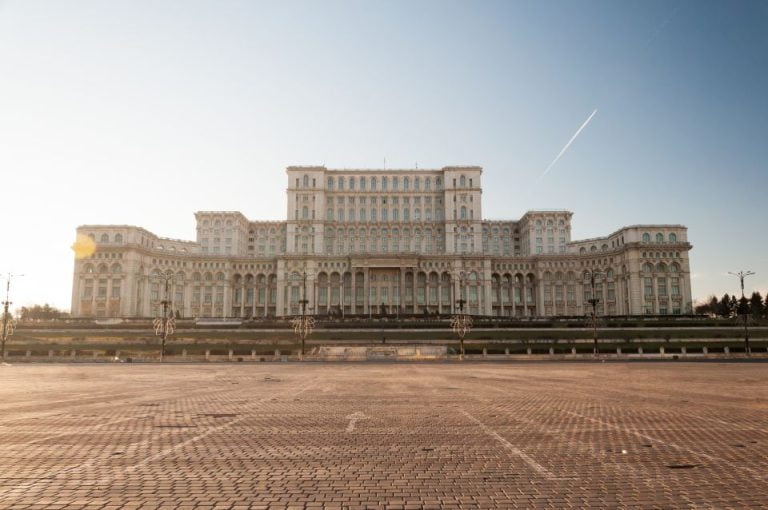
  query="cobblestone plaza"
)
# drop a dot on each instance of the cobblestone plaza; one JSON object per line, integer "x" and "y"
{"x": 384, "y": 435}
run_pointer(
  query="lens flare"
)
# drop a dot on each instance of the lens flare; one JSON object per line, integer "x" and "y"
{"x": 83, "y": 247}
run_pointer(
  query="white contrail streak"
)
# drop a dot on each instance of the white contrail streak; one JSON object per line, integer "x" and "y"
{"x": 566, "y": 146}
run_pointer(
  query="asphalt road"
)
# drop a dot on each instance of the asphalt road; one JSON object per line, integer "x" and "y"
{"x": 289, "y": 435}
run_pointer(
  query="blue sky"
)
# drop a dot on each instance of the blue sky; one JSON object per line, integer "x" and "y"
{"x": 141, "y": 112}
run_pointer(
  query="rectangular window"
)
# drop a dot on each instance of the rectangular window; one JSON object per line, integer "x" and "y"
{"x": 675, "y": 287}
{"x": 88, "y": 289}
{"x": 648, "y": 286}
{"x": 661, "y": 284}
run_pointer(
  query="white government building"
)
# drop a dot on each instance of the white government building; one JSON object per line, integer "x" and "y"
{"x": 384, "y": 241}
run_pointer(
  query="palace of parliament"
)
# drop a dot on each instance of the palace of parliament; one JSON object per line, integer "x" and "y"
{"x": 371, "y": 242}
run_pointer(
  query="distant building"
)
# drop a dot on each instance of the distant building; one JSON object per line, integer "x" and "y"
{"x": 384, "y": 241}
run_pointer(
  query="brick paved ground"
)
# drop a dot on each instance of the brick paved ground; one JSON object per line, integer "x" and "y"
{"x": 527, "y": 435}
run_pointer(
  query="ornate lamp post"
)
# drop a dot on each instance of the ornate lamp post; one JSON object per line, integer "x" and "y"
{"x": 461, "y": 323}
{"x": 743, "y": 309}
{"x": 591, "y": 276}
{"x": 165, "y": 325}
{"x": 8, "y": 323}
{"x": 303, "y": 324}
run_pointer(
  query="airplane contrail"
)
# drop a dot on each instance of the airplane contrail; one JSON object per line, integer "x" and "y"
{"x": 562, "y": 151}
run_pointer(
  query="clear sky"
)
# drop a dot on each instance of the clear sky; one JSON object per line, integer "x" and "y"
{"x": 142, "y": 112}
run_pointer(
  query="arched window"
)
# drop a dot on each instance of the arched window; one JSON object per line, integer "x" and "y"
{"x": 674, "y": 268}
{"x": 463, "y": 213}
{"x": 438, "y": 183}
{"x": 373, "y": 214}
{"x": 582, "y": 250}
{"x": 384, "y": 182}
{"x": 647, "y": 268}
{"x": 395, "y": 183}
{"x": 341, "y": 182}
{"x": 305, "y": 212}
{"x": 406, "y": 183}
{"x": 116, "y": 268}
{"x": 119, "y": 238}
{"x": 661, "y": 267}
{"x": 593, "y": 248}
{"x": 417, "y": 183}
{"x": 330, "y": 182}
{"x": 373, "y": 183}
{"x": 417, "y": 214}
{"x": 659, "y": 238}
{"x": 362, "y": 182}
{"x": 306, "y": 181}
{"x": 672, "y": 237}
{"x": 609, "y": 273}
{"x": 646, "y": 237}
{"x": 88, "y": 268}
{"x": 362, "y": 214}
{"x": 104, "y": 238}
{"x": 406, "y": 214}
{"x": 427, "y": 183}
{"x": 351, "y": 183}
{"x": 463, "y": 182}
{"x": 604, "y": 247}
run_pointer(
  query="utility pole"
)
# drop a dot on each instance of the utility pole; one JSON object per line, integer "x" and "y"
{"x": 744, "y": 312}
{"x": 166, "y": 324}
{"x": 8, "y": 322}
{"x": 461, "y": 323}
{"x": 304, "y": 324}
{"x": 591, "y": 275}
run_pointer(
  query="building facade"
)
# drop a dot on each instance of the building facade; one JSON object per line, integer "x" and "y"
{"x": 370, "y": 242}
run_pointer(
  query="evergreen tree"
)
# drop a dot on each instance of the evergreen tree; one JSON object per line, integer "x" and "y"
{"x": 713, "y": 304}
{"x": 756, "y": 305}
{"x": 724, "y": 306}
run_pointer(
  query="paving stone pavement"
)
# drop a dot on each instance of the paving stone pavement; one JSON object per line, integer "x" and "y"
{"x": 384, "y": 435}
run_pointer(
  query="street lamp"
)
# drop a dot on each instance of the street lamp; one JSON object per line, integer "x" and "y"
{"x": 741, "y": 275}
{"x": 461, "y": 323}
{"x": 303, "y": 324}
{"x": 591, "y": 275}
{"x": 8, "y": 323}
{"x": 166, "y": 324}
